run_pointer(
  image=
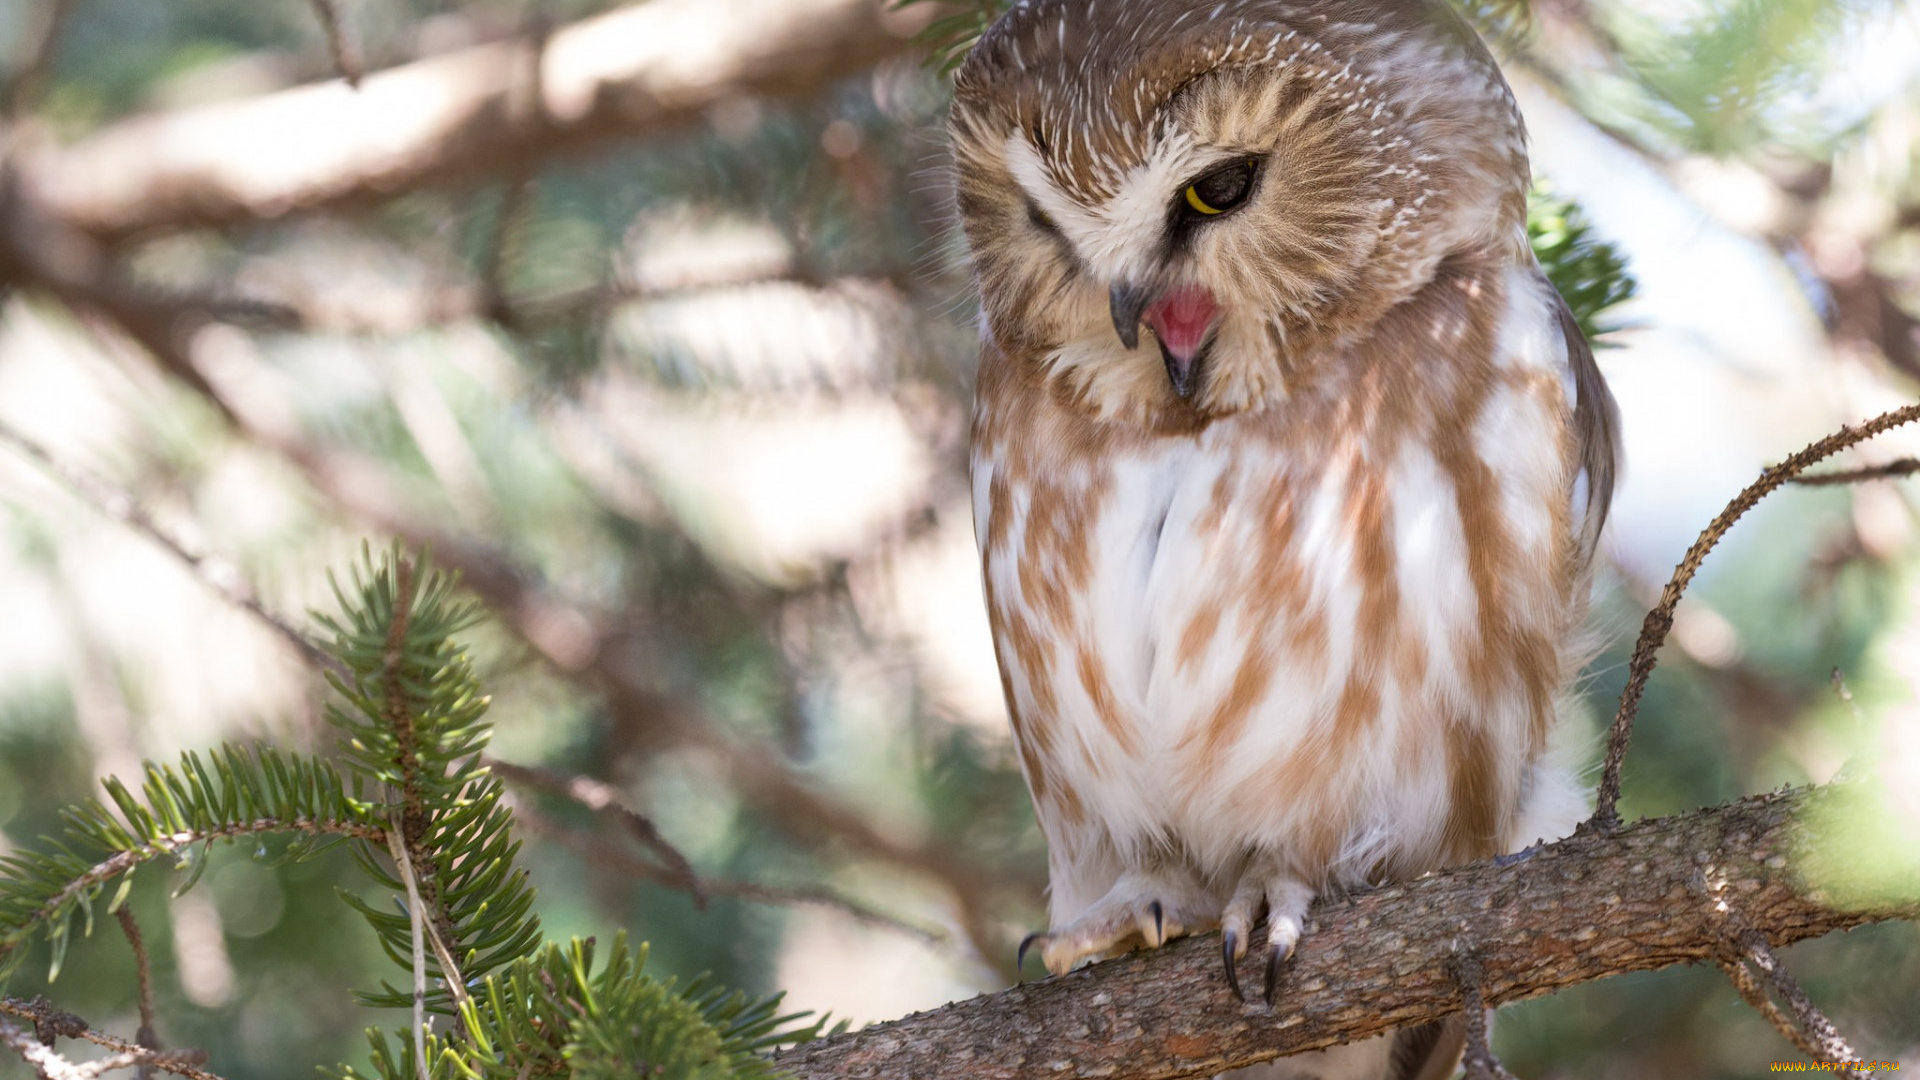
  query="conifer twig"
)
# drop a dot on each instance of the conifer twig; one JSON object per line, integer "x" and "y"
{"x": 1659, "y": 621}
{"x": 120, "y": 862}
{"x": 1747, "y": 951}
{"x": 416, "y": 914}
{"x": 1747, "y": 985}
{"x": 149, "y": 1034}
{"x": 1825, "y": 1036}
{"x": 47, "y": 1064}
{"x": 1898, "y": 467}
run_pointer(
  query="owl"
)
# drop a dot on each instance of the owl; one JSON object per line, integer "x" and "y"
{"x": 1288, "y": 462}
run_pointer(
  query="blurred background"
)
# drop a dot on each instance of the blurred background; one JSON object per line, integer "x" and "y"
{"x": 651, "y": 321}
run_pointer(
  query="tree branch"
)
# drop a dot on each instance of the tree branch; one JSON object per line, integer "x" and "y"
{"x": 640, "y": 70}
{"x": 1593, "y": 905}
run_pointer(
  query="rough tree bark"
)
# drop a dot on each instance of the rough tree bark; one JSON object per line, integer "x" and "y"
{"x": 1590, "y": 906}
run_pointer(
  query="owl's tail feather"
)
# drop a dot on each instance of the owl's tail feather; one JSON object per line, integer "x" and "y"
{"x": 1429, "y": 1051}
{"x": 1426, "y": 1052}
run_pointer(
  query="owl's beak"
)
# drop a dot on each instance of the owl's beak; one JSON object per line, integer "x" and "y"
{"x": 1183, "y": 323}
{"x": 1126, "y": 303}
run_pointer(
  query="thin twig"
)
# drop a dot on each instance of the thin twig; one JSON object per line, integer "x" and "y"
{"x": 346, "y": 59}
{"x": 1748, "y": 986}
{"x": 1745, "y": 946}
{"x": 49, "y": 1024}
{"x": 604, "y": 800}
{"x": 48, "y": 1021}
{"x": 215, "y": 573}
{"x": 149, "y": 1034}
{"x": 1898, "y": 467}
{"x": 47, "y": 1065}
{"x": 1478, "y": 1059}
{"x": 1833, "y": 1046}
{"x": 416, "y": 914}
{"x": 1659, "y": 621}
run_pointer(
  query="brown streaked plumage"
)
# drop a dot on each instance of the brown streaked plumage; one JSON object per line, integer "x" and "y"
{"x": 1288, "y": 463}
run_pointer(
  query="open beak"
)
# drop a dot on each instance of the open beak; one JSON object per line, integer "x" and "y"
{"x": 1182, "y": 321}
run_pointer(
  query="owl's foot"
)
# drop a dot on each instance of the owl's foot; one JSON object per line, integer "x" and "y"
{"x": 1285, "y": 901}
{"x": 1141, "y": 909}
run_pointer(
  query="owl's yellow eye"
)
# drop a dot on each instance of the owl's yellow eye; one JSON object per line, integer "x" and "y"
{"x": 1194, "y": 200}
{"x": 1220, "y": 190}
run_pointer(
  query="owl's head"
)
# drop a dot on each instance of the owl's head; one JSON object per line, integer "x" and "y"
{"x": 1253, "y": 182}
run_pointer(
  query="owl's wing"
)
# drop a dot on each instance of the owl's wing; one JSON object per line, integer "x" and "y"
{"x": 1596, "y": 431}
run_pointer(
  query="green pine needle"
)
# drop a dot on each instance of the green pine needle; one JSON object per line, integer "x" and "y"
{"x": 1589, "y": 272}
{"x": 227, "y": 794}
{"x": 553, "y": 1014}
{"x": 949, "y": 38}
{"x": 412, "y": 721}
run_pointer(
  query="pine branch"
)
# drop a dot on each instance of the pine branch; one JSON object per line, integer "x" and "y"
{"x": 230, "y": 793}
{"x": 1585, "y": 908}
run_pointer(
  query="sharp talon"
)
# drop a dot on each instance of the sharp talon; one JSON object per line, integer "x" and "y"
{"x": 1020, "y": 957}
{"x": 1227, "y": 942}
{"x": 1159, "y": 922}
{"x": 1276, "y": 955}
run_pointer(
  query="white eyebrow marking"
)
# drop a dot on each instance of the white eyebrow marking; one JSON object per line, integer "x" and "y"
{"x": 1121, "y": 238}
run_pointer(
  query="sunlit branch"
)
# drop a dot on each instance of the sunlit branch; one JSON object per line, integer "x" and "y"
{"x": 458, "y": 117}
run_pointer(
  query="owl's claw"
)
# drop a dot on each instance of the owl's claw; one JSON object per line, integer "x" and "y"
{"x": 1284, "y": 901}
{"x": 1230, "y": 950}
{"x": 1020, "y": 956}
{"x": 1278, "y": 952}
{"x": 1147, "y": 907}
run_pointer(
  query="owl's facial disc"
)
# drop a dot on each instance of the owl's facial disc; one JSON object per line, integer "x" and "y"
{"x": 1182, "y": 321}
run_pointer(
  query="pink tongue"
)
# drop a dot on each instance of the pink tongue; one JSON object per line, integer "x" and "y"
{"x": 1181, "y": 319}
